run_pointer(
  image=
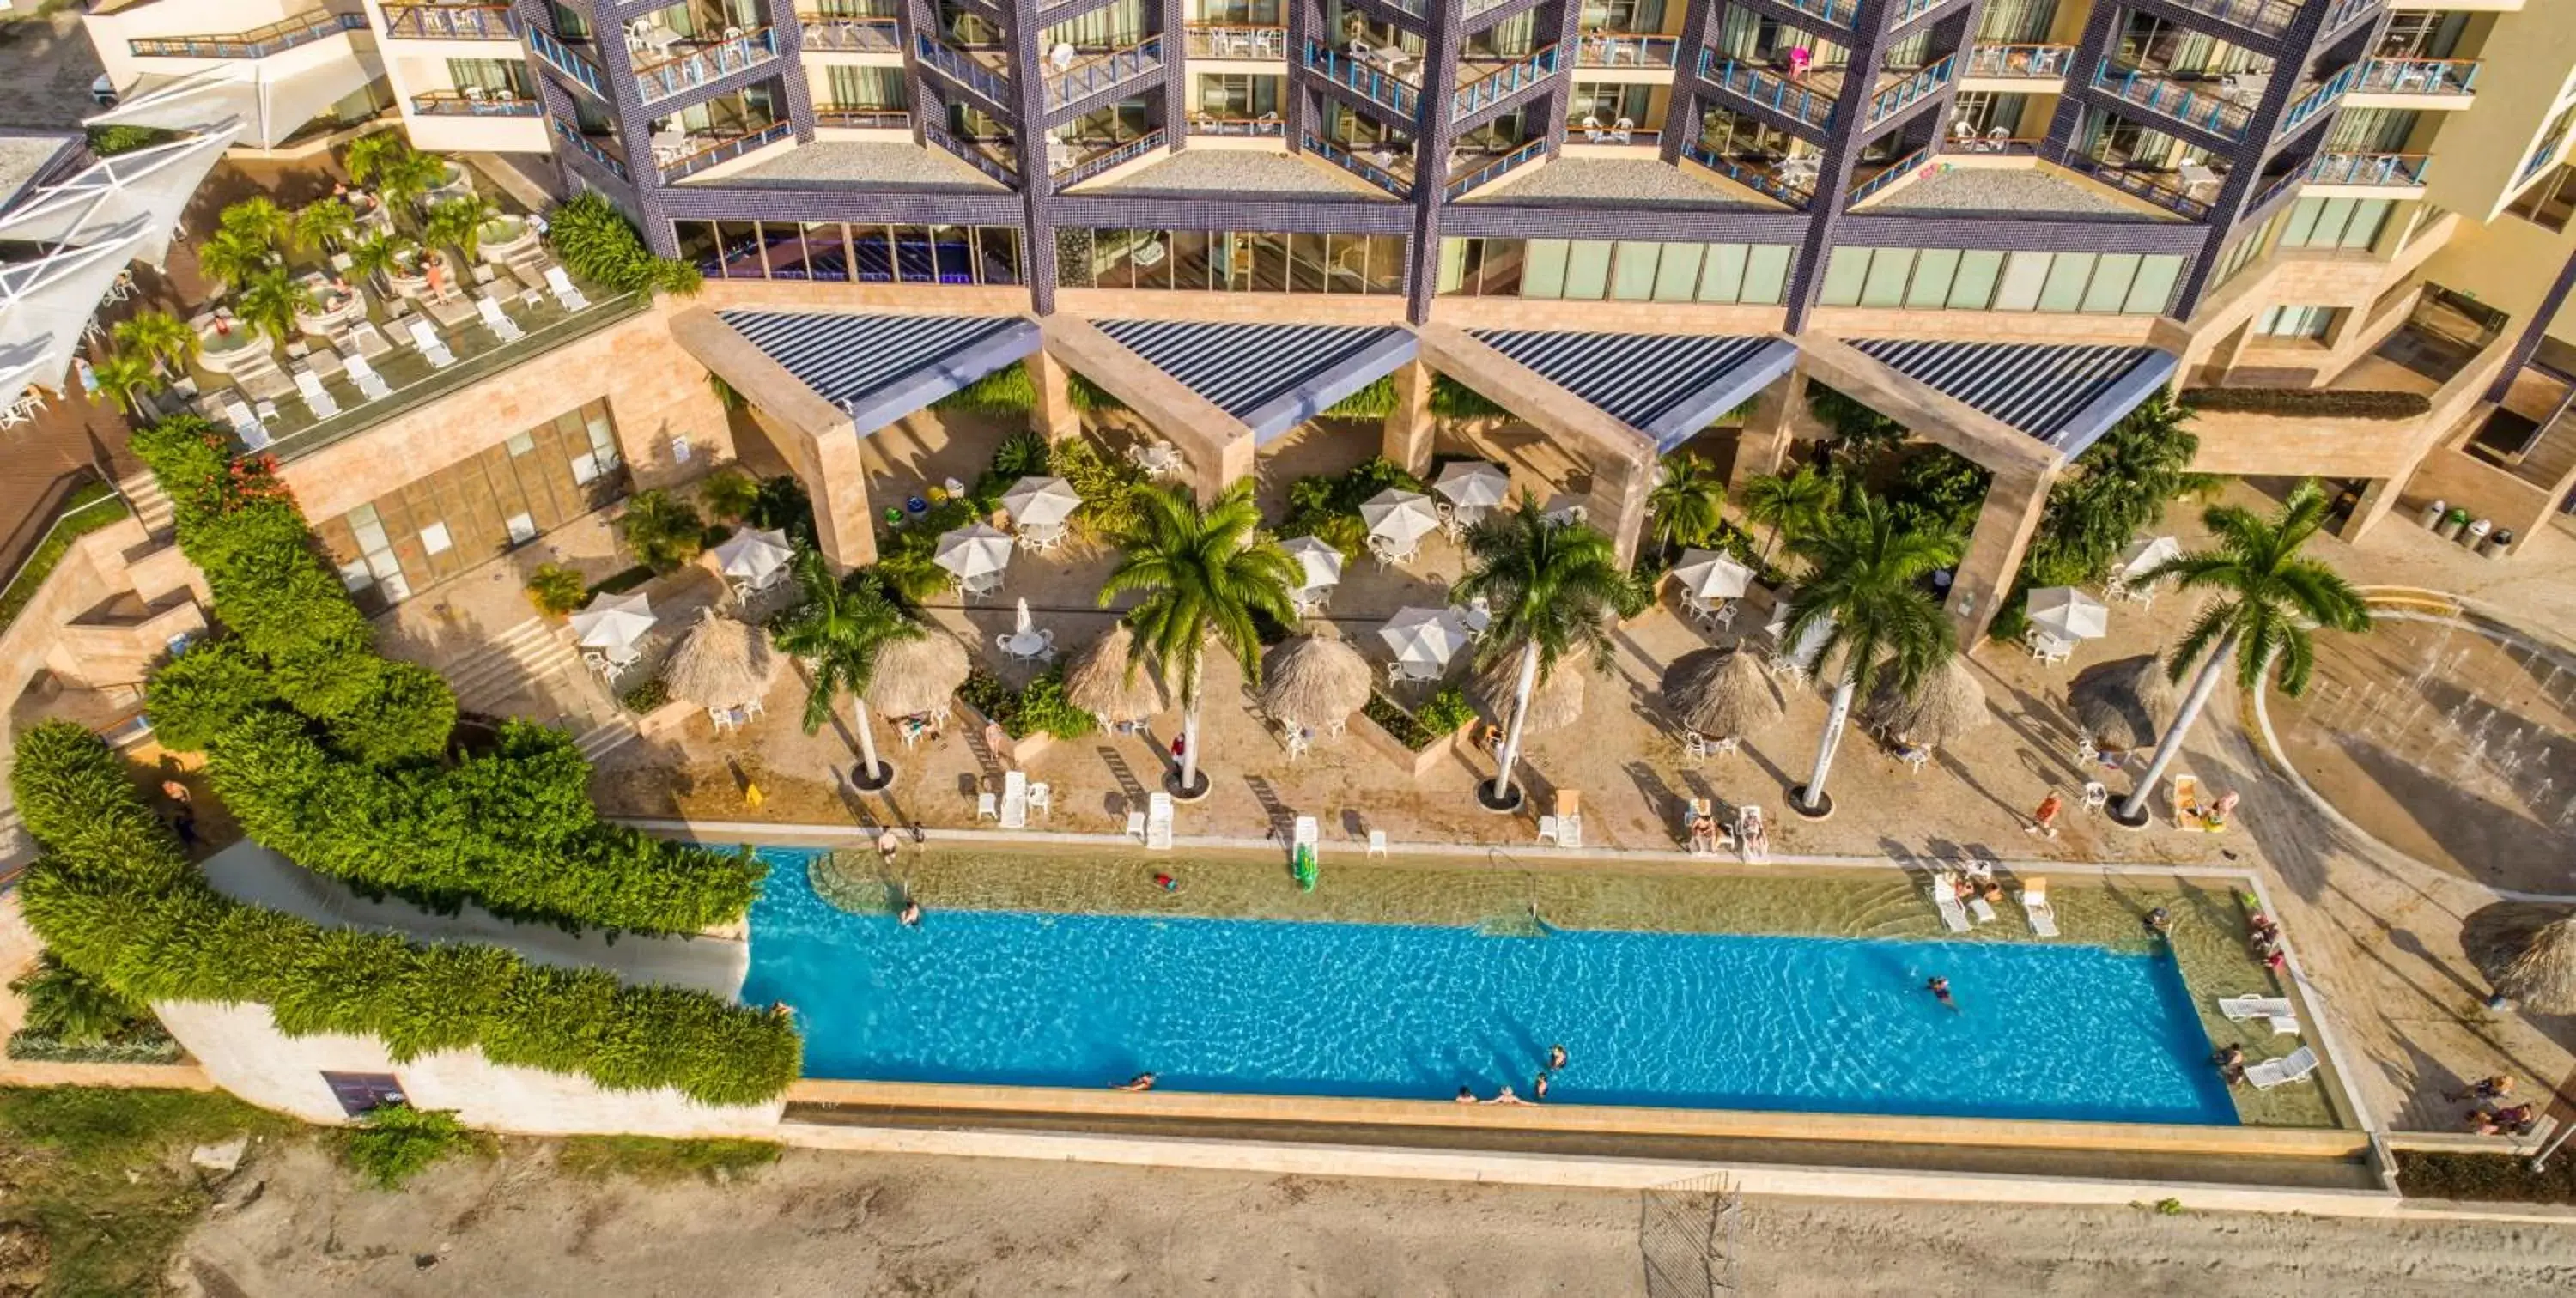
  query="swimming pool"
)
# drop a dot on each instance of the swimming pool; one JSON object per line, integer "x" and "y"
{"x": 1411, "y": 1012}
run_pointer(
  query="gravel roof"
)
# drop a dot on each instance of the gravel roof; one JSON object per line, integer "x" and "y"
{"x": 24, "y": 158}
{"x": 1608, "y": 180}
{"x": 2006, "y": 192}
{"x": 1241, "y": 171}
{"x": 889, "y": 165}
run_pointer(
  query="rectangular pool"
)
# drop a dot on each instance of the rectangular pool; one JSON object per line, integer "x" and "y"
{"x": 1391, "y": 1011}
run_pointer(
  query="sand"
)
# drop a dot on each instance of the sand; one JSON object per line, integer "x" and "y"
{"x": 862, "y": 1224}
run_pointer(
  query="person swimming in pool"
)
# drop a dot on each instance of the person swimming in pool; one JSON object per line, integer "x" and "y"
{"x": 1140, "y": 1082}
{"x": 911, "y": 916}
{"x": 1556, "y": 1058}
{"x": 1466, "y": 1095}
{"x": 1940, "y": 989}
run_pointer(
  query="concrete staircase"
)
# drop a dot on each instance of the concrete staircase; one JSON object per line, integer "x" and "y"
{"x": 151, "y": 508}
{"x": 516, "y": 662}
{"x": 606, "y": 737}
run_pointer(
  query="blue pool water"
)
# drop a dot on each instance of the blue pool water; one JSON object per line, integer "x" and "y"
{"x": 1392, "y": 1011}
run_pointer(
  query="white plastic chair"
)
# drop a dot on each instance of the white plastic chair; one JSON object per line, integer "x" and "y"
{"x": 987, "y": 807}
{"x": 1377, "y": 843}
{"x": 2096, "y": 797}
{"x": 371, "y": 385}
{"x": 1915, "y": 759}
{"x": 319, "y": 400}
{"x": 1042, "y": 799}
{"x": 1015, "y": 800}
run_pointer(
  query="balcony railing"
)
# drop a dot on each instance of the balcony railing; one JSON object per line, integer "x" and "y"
{"x": 2323, "y": 97}
{"x": 863, "y": 117}
{"x": 961, "y": 69}
{"x": 1621, "y": 131}
{"x": 1360, "y": 167}
{"x": 1117, "y": 155}
{"x": 1497, "y": 86}
{"x": 1491, "y": 171}
{"x": 436, "y": 22}
{"x": 2344, "y": 13}
{"x": 726, "y": 150}
{"x": 1262, "y": 128}
{"x": 973, "y": 153}
{"x": 454, "y": 103}
{"x": 2154, "y": 187}
{"x": 853, "y": 35}
{"x": 2017, "y": 62}
{"x": 1619, "y": 49}
{"x": 566, "y": 60}
{"x": 2270, "y": 17}
{"x": 1116, "y": 68}
{"x": 1904, "y": 94}
{"x": 1764, "y": 178}
{"x": 2208, "y": 112}
{"x": 1379, "y": 87}
{"x": 1906, "y": 11}
{"x": 690, "y": 67}
{"x": 2280, "y": 187}
{"x": 590, "y": 148}
{"x": 1840, "y": 13}
{"x": 257, "y": 43}
{"x": 1768, "y": 88}
{"x": 1221, "y": 41}
{"x": 2418, "y": 77}
{"x": 1895, "y": 171}
{"x": 2369, "y": 169}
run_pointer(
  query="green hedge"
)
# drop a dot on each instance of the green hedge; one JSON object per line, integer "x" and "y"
{"x": 2312, "y": 403}
{"x": 597, "y": 243}
{"x": 114, "y": 898}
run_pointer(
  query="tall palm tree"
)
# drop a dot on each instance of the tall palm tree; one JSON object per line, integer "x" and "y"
{"x": 460, "y": 221}
{"x": 1204, "y": 572}
{"x": 1790, "y": 504}
{"x": 2268, "y": 597}
{"x": 257, "y": 218}
{"x": 1865, "y": 584}
{"x": 327, "y": 222}
{"x": 377, "y": 255}
{"x": 1552, "y": 587}
{"x": 124, "y": 376}
{"x": 159, "y": 335}
{"x": 837, "y": 631}
{"x": 1689, "y": 500}
{"x": 233, "y": 258}
{"x": 407, "y": 176}
{"x": 270, "y": 301}
{"x": 368, "y": 155}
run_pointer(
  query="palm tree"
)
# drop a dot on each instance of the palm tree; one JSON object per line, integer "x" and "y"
{"x": 1689, "y": 501}
{"x": 368, "y": 155}
{"x": 1790, "y": 504}
{"x": 837, "y": 631}
{"x": 2268, "y": 598}
{"x": 257, "y": 218}
{"x": 1203, "y": 572}
{"x": 460, "y": 221}
{"x": 270, "y": 301}
{"x": 324, "y": 223}
{"x": 1864, "y": 585}
{"x": 233, "y": 258}
{"x": 406, "y": 177}
{"x": 376, "y": 255}
{"x": 163, "y": 337}
{"x": 662, "y": 530}
{"x": 124, "y": 376}
{"x": 1552, "y": 587}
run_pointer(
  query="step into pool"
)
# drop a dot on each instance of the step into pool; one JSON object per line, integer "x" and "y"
{"x": 1394, "y": 1011}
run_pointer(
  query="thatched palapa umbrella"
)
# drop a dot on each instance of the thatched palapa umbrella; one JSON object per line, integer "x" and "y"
{"x": 1554, "y": 705}
{"x": 2126, "y": 703}
{"x": 917, "y": 675}
{"x": 1100, "y": 681}
{"x": 723, "y": 662}
{"x": 2527, "y": 951}
{"x": 1949, "y": 703}
{"x": 1314, "y": 681}
{"x": 1721, "y": 693}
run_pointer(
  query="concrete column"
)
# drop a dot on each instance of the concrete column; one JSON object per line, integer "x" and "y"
{"x": 2003, "y": 531}
{"x": 2376, "y": 500}
{"x": 1052, "y": 413}
{"x": 1232, "y": 463}
{"x": 1762, "y": 446}
{"x": 835, "y": 474}
{"x": 1636, "y": 481}
{"x": 1409, "y": 426}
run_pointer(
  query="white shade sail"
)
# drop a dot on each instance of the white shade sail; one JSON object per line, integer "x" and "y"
{"x": 754, "y": 555}
{"x": 1708, "y": 574}
{"x": 1426, "y": 636}
{"x": 614, "y": 621}
{"x": 2145, "y": 556}
{"x": 16, "y": 376}
{"x": 1041, "y": 502}
{"x": 152, "y": 185}
{"x": 1474, "y": 484}
{"x": 265, "y": 102}
{"x": 45, "y": 303}
{"x": 2069, "y": 614}
{"x": 975, "y": 551}
{"x": 1321, "y": 562}
{"x": 1401, "y": 517}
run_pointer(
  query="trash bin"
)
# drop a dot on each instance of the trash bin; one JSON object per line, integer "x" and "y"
{"x": 2452, "y": 521}
{"x": 2497, "y": 542}
{"x": 2433, "y": 514}
{"x": 2477, "y": 532}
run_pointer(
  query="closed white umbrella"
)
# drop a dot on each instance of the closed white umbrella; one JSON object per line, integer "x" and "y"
{"x": 1474, "y": 484}
{"x": 1709, "y": 574}
{"x": 1425, "y": 637}
{"x": 614, "y": 621}
{"x": 1041, "y": 502}
{"x": 1400, "y": 517}
{"x": 2069, "y": 614}
{"x": 979, "y": 550}
{"x": 1021, "y": 622}
{"x": 754, "y": 555}
{"x": 2144, "y": 556}
{"x": 1321, "y": 562}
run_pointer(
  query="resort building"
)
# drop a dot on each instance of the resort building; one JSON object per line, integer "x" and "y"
{"x": 2002, "y": 223}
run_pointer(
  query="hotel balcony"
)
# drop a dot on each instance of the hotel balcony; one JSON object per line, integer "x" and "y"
{"x": 2205, "y": 111}
{"x": 1071, "y": 162}
{"x": 2187, "y": 198}
{"x": 1609, "y": 49}
{"x": 449, "y": 22}
{"x": 996, "y": 158}
{"x": 965, "y": 70}
{"x": 1471, "y": 171}
{"x": 2018, "y": 69}
{"x": 862, "y": 117}
{"x": 1789, "y": 179}
{"x": 2366, "y": 175}
{"x": 474, "y": 103}
{"x": 256, "y": 43}
{"x": 825, "y": 34}
{"x": 1267, "y": 127}
{"x": 2424, "y": 84}
{"x": 1482, "y": 84}
{"x": 682, "y": 156}
{"x": 1223, "y": 42}
{"x": 1378, "y": 169}
{"x": 476, "y": 121}
{"x": 1810, "y": 100}
{"x": 1089, "y": 78}
{"x": 679, "y": 67}
{"x": 2266, "y": 18}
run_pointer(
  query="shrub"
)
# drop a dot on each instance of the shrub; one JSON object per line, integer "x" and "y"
{"x": 662, "y": 530}
{"x": 1088, "y": 396}
{"x": 1023, "y": 454}
{"x": 108, "y": 141}
{"x": 2313, "y": 403}
{"x": 646, "y": 697}
{"x": 1328, "y": 506}
{"x": 114, "y": 898}
{"x": 1447, "y": 712}
{"x": 76, "y": 1010}
{"x": 783, "y": 506}
{"x": 729, "y": 494}
{"x": 396, "y": 1142}
{"x": 200, "y": 694}
{"x": 556, "y": 590}
{"x": 1040, "y": 708}
{"x": 1451, "y": 399}
{"x": 1006, "y": 391}
{"x": 1376, "y": 401}
{"x": 1107, "y": 487}
{"x": 596, "y": 243}
{"x": 1443, "y": 715}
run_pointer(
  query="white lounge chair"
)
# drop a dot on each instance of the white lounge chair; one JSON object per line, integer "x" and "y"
{"x": 2295, "y": 1066}
{"x": 308, "y": 385}
{"x": 1983, "y": 909}
{"x": 2034, "y": 903}
{"x": 1309, "y": 836}
{"x": 1015, "y": 800}
{"x": 1377, "y": 843}
{"x": 1136, "y": 825}
{"x": 1547, "y": 830}
{"x": 2275, "y": 1010}
{"x": 371, "y": 385}
{"x": 426, "y": 338}
{"x": 1945, "y": 898}
{"x": 502, "y": 327}
{"x": 1158, "y": 822}
{"x": 562, "y": 287}
{"x": 245, "y": 424}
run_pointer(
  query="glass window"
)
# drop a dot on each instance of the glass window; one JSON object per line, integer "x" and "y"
{"x": 435, "y": 540}
{"x": 1269, "y": 263}
{"x": 1587, "y": 270}
{"x": 1453, "y": 265}
{"x": 697, "y": 240}
{"x": 2109, "y": 290}
{"x": 1933, "y": 271}
{"x": 2064, "y": 289}
{"x": 913, "y": 261}
{"x": 2303, "y": 222}
{"x": 1845, "y": 271}
{"x": 2024, "y": 272}
{"x": 739, "y": 242}
{"x": 1634, "y": 278}
{"x": 2368, "y": 216}
{"x": 1545, "y": 276}
{"x": 1000, "y": 247}
{"x": 1677, "y": 274}
{"x": 1306, "y": 264}
{"x": 2155, "y": 284}
{"x": 872, "y": 254}
{"x": 521, "y": 444}
{"x": 1766, "y": 274}
{"x": 1885, "y": 285}
{"x": 1722, "y": 278}
{"x": 1974, "y": 289}
{"x": 1386, "y": 263}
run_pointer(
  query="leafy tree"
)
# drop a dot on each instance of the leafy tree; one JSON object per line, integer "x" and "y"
{"x": 271, "y": 300}
{"x": 368, "y": 155}
{"x": 1552, "y": 587}
{"x": 1688, "y": 502}
{"x": 74, "y": 1008}
{"x": 160, "y": 335}
{"x": 124, "y": 377}
{"x": 108, "y": 141}
{"x": 730, "y": 494}
{"x": 257, "y": 219}
{"x": 1791, "y": 505}
{"x": 379, "y": 255}
{"x": 837, "y": 631}
{"x": 233, "y": 258}
{"x": 783, "y": 506}
{"x": 662, "y": 530}
{"x": 1864, "y": 583}
{"x": 1861, "y": 433}
{"x": 406, "y": 176}
{"x": 201, "y": 694}
{"x": 1204, "y": 574}
{"x": 1939, "y": 490}
{"x": 460, "y": 221}
{"x": 556, "y": 590}
{"x": 325, "y": 223}
{"x": 2267, "y": 596}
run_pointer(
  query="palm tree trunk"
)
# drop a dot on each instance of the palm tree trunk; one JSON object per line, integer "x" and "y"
{"x": 1520, "y": 714}
{"x": 1835, "y": 718}
{"x": 1190, "y": 731}
{"x": 868, "y": 764}
{"x": 2171, "y": 745}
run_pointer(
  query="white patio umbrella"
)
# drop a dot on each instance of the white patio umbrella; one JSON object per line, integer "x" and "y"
{"x": 614, "y": 621}
{"x": 1321, "y": 562}
{"x": 1021, "y": 622}
{"x": 1041, "y": 502}
{"x": 1474, "y": 484}
{"x": 1804, "y": 654}
{"x": 1426, "y": 637}
{"x": 2069, "y": 614}
{"x": 974, "y": 551}
{"x": 754, "y": 555}
{"x": 1711, "y": 574}
{"x": 2142, "y": 556}
{"x": 1401, "y": 517}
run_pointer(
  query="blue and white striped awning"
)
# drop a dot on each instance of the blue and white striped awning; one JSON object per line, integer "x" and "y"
{"x": 1271, "y": 377}
{"x": 1666, "y": 386}
{"x": 2066, "y": 396}
{"x": 880, "y": 368}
